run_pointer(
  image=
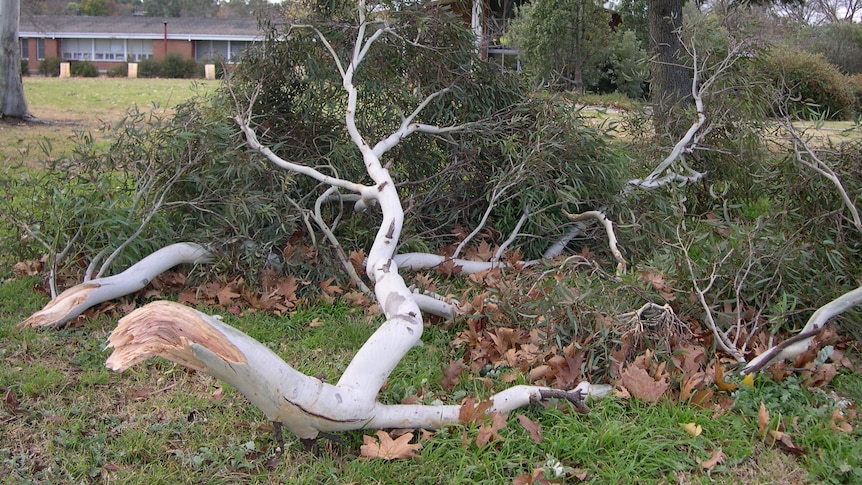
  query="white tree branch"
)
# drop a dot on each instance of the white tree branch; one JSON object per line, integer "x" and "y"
{"x": 609, "y": 229}
{"x": 799, "y": 344}
{"x": 77, "y": 299}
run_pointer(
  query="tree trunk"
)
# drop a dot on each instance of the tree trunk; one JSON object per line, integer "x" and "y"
{"x": 13, "y": 103}
{"x": 671, "y": 83}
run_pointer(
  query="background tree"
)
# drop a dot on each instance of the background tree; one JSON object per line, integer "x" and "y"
{"x": 670, "y": 84}
{"x": 13, "y": 104}
{"x": 561, "y": 41}
{"x": 180, "y": 8}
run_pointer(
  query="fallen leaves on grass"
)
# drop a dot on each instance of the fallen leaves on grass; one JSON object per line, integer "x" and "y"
{"x": 387, "y": 448}
{"x": 533, "y": 427}
{"x": 646, "y": 386}
{"x": 717, "y": 457}
{"x": 692, "y": 429}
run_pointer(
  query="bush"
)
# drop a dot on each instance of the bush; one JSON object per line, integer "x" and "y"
{"x": 50, "y": 66}
{"x": 811, "y": 79}
{"x": 25, "y": 67}
{"x": 121, "y": 70}
{"x": 150, "y": 68}
{"x": 84, "y": 69}
{"x": 175, "y": 66}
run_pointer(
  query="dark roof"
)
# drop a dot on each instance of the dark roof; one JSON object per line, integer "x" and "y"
{"x": 191, "y": 28}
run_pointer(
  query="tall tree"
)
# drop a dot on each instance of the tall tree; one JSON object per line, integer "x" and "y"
{"x": 561, "y": 38}
{"x": 11, "y": 85}
{"x": 671, "y": 82}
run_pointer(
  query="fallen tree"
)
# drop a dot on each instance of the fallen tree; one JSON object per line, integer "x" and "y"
{"x": 304, "y": 404}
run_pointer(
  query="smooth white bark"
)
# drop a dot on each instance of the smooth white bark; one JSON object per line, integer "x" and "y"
{"x": 305, "y": 405}
{"x": 77, "y": 299}
{"x": 812, "y": 327}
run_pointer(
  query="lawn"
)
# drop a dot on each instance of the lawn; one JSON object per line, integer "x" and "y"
{"x": 65, "y": 418}
{"x": 67, "y": 107}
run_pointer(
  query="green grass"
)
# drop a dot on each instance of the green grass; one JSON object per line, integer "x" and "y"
{"x": 69, "y": 420}
{"x": 72, "y": 105}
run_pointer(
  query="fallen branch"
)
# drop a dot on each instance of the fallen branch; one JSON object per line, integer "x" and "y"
{"x": 799, "y": 343}
{"x": 609, "y": 228}
{"x": 305, "y": 405}
{"x": 77, "y": 299}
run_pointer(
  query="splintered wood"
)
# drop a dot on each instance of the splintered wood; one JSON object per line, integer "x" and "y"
{"x": 167, "y": 329}
{"x": 59, "y": 307}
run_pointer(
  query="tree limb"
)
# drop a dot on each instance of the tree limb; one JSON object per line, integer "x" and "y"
{"x": 77, "y": 299}
{"x": 798, "y": 344}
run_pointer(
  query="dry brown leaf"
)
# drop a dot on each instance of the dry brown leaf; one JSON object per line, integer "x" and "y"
{"x": 692, "y": 429}
{"x": 386, "y": 448}
{"x": 688, "y": 385}
{"x": 839, "y": 423}
{"x": 329, "y": 288}
{"x": 719, "y": 378}
{"x": 472, "y": 413}
{"x": 822, "y": 376}
{"x": 783, "y": 440}
{"x": 489, "y": 431}
{"x": 226, "y": 295}
{"x": 762, "y": 419}
{"x": 717, "y": 457}
{"x": 701, "y": 398}
{"x": 533, "y": 427}
{"x": 11, "y": 401}
{"x": 451, "y": 375}
{"x": 642, "y": 386}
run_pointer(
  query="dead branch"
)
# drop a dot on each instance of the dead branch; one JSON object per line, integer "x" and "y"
{"x": 798, "y": 344}
{"x": 77, "y": 299}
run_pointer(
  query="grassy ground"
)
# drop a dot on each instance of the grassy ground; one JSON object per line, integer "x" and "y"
{"x": 67, "y": 419}
{"x": 64, "y": 418}
{"x": 72, "y": 105}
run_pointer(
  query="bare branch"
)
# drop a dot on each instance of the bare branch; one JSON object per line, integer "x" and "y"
{"x": 798, "y": 344}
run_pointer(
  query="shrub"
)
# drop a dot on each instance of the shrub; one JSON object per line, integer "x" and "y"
{"x": 121, "y": 70}
{"x": 150, "y": 68}
{"x": 812, "y": 80}
{"x": 50, "y": 66}
{"x": 175, "y": 66}
{"x": 25, "y": 67}
{"x": 84, "y": 69}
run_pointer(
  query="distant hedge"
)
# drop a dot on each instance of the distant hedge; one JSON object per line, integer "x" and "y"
{"x": 818, "y": 85}
{"x": 172, "y": 66}
{"x": 84, "y": 69}
{"x": 50, "y": 66}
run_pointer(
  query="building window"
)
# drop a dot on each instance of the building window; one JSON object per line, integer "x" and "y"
{"x": 139, "y": 50}
{"x": 237, "y": 48}
{"x": 77, "y": 49}
{"x": 109, "y": 50}
{"x": 40, "y": 49}
{"x": 211, "y": 49}
{"x": 25, "y": 49}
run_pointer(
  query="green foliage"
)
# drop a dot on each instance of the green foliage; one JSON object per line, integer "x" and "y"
{"x": 50, "y": 66}
{"x": 120, "y": 70}
{"x": 173, "y": 66}
{"x": 150, "y": 68}
{"x": 84, "y": 69}
{"x": 446, "y": 180}
{"x": 809, "y": 78}
{"x": 176, "y": 67}
{"x": 568, "y": 43}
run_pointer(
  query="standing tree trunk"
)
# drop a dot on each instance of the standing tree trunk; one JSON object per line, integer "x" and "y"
{"x": 671, "y": 83}
{"x": 13, "y": 103}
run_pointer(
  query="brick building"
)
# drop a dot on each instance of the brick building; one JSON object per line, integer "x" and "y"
{"x": 109, "y": 41}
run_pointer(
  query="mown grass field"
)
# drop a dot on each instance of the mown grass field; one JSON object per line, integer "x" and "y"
{"x": 74, "y": 105}
{"x": 65, "y": 418}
